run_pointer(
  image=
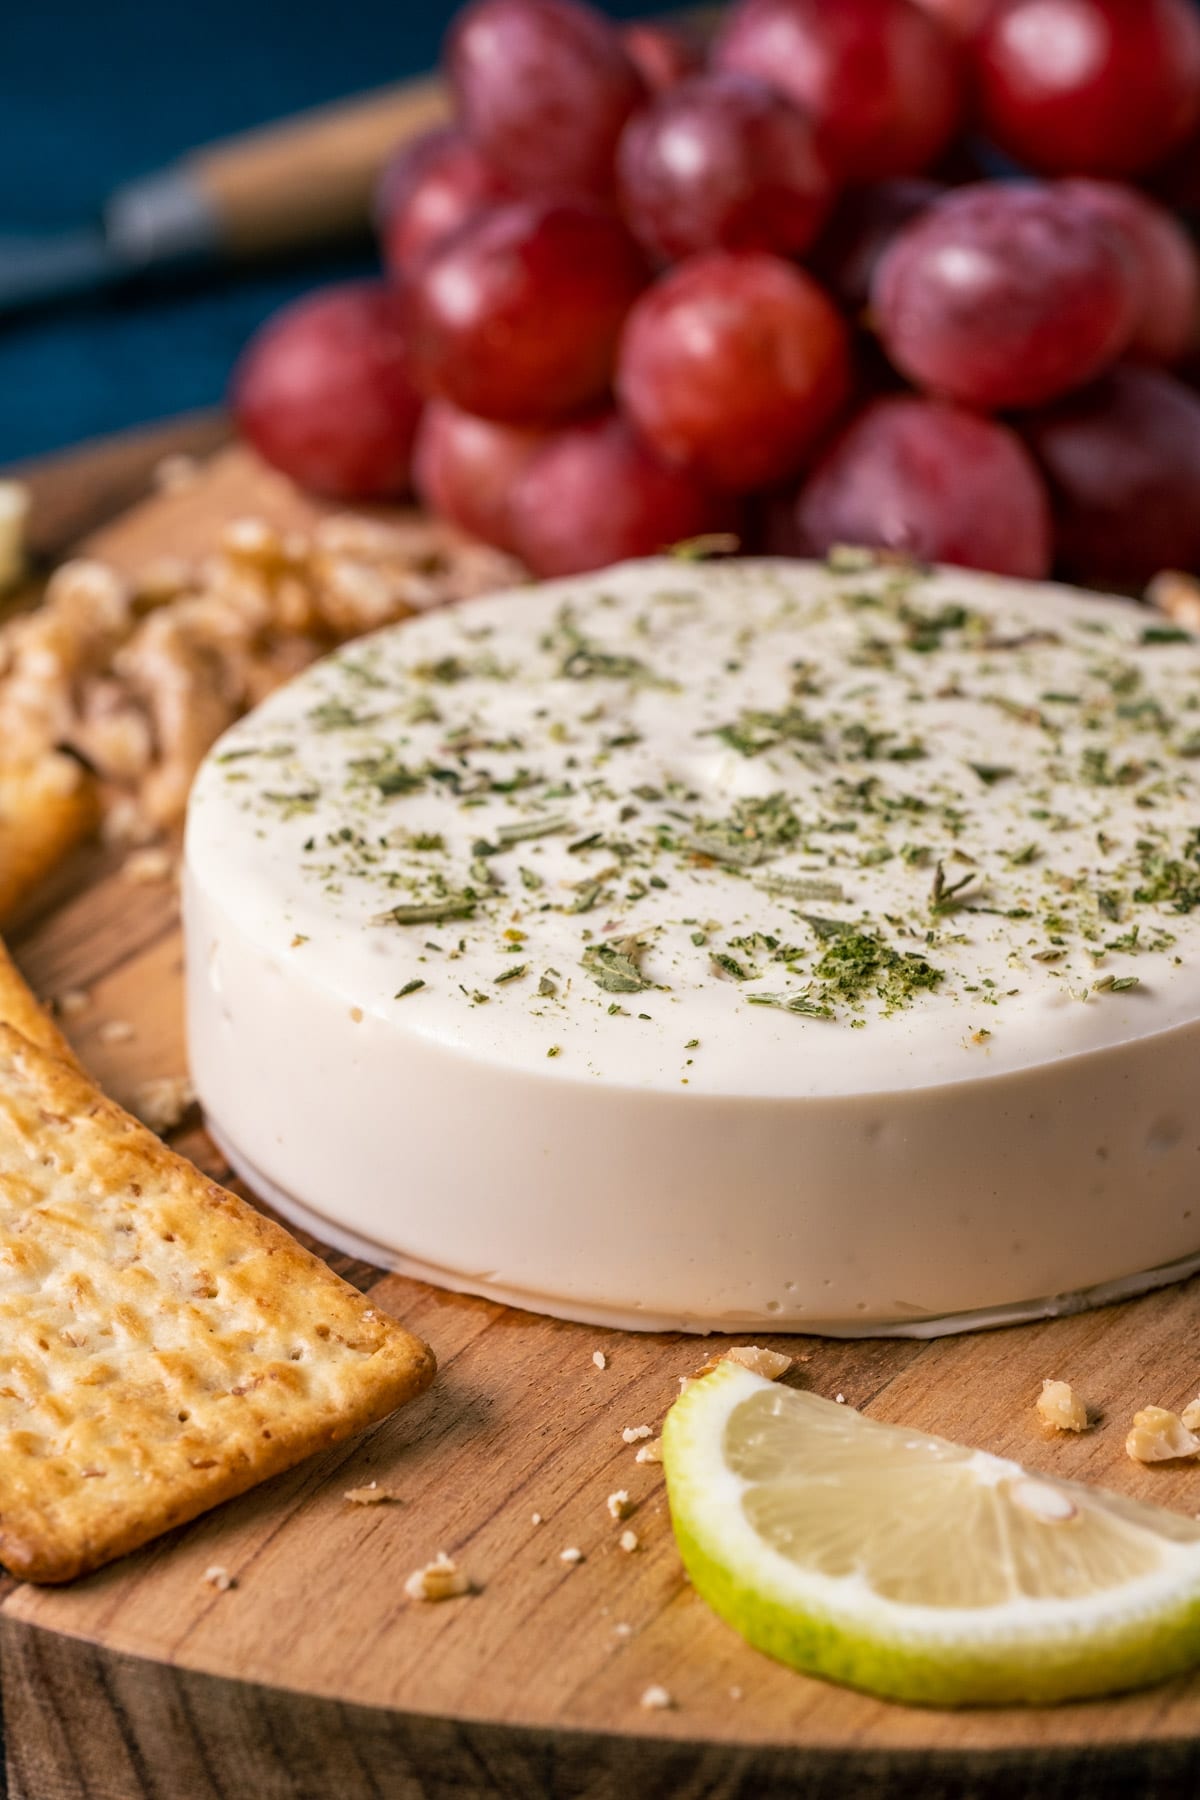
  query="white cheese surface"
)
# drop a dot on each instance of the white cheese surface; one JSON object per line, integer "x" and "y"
{"x": 744, "y": 835}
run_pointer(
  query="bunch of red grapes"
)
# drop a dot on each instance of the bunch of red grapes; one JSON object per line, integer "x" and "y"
{"x": 641, "y": 291}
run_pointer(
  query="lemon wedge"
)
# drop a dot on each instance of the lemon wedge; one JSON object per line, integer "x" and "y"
{"x": 915, "y": 1568}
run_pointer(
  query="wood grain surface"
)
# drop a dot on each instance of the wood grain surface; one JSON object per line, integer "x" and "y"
{"x": 314, "y": 1676}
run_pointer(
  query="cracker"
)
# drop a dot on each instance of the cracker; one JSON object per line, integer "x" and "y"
{"x": 46, "y": 808}
{"x": 162, "y": 1345}
{"x": 19, "y": 1009}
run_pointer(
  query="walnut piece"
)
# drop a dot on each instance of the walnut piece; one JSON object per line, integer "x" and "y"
{"x": 1158, "y": 1435}
{"x": 1059, "y": 1407}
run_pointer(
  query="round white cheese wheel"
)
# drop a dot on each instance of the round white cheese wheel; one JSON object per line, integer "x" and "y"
{"x": 721, "y": 945}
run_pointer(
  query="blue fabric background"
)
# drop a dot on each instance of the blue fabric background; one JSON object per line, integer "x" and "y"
{"x": 92, "y": 93}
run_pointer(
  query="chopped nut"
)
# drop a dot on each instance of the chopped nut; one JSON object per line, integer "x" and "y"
{"x": 619, "y": 1505}
{"x": 371, "y": 1495}
{"x": 1060, "y": 1407}
{"x": 149, "y": 865}
{"x": 651, "y": 1452}
{"x": 599, "y": 1358}
{"x": 163, "y": 1102}
{"x": 572, "y": 1554}
{"x": 115, "y": 1031}
{"x": 628, "y": 1540}
{"x": 1158, "y": 1435}
{"x": 633, "y": 1433}
{"x": 70, "y": 1004}
{"x": 442, "y": 1579}
{"x": 219, "y": 1578}
{"x": 656, "y": 1699}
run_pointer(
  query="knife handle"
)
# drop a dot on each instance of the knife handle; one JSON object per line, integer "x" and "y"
{"x": 292, "y": 186}
{"x": 308, "y": 180}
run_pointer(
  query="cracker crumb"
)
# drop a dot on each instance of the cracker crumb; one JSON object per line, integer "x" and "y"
{"x": 628, "y": 1541}
{"x": 535, "y": 1518}
{"x": 656, "y": 1699}
{"x": 572, "y": 1554}
{"x": 1191, "y": 1415}
{"x": 1060, "y": 1408}
{"x": 441, "y": 1579}
{"x": 371, "y": 1495}
{"x": 163, "y": 1102}
{"x": 1158, "y": 1435}
{"x": 651, "y": 1452}
{"x": 633, "y": 1434}
{"x": 599, "y": 1358}
{"x": 145, "y": 867}
{"x": 219, "y": 1578}
{"x": 770, "y": 1364}
{"x": 73, "y": 1002}
{"x": 619, "y": 1504}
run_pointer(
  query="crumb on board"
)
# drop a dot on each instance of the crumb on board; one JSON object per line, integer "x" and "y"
{"x": 162, "y": 1103}
{"x": 115, "y": 1031}
{"x": 1060, "y": 1407}
{"x": 735, "y": 1693}
{"x": 599, "y": 1358}
{"x": 370, "y": 1495}
{"x": 535, "y": 1518}
{"x": 572, "y": 1554}
{"x": 628, "y": 1541}
{"x": 633, "y": 1434}
{"x": 622, "y": 1630}
{"x": 72, "y": 1002}
{"x": 441, "y": 1579}
{"x": 770, "y": 1364}
{"x": 1159, "y": 1435}
{"x": 619, "y": 1504}
{"x": 651, "y": 1452}
{"x": 1191, "y": 1415}
{"x": 839, "y": 1399}
{"x": 219, "y": 1578}
{"x": 656, "y": 1698}
{"x": 149, "y": 865}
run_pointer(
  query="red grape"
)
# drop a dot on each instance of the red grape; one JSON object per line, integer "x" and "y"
{"x": 1123, "y": 464}
{"x": 661, "y": 54}
{"x": 734, "y": 364}
{"x": 1002, "y": 296}
{"x": 545, "y": 88}
{"x": 864, "y": 223}
{"x": 324, "y": 393}
{"x": 517, "y": 317}
{"x": 880, "y": 80}
{"x": 464, "y": 468}
{"x": 596, "y": 495}
{"x": 428, "y": 189}
{"x": 1166, "y": 266}
{"x": 1089, "y": 87}
{"x": 722, "y": 162}
{"x": 926, "y": 478}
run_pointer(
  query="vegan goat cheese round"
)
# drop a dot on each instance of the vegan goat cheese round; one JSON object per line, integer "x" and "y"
{"x": 721, "y": 945}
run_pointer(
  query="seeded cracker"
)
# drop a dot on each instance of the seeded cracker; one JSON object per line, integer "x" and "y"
{"x": 162, "y": 1346}
{"x": 19, "y": 1009}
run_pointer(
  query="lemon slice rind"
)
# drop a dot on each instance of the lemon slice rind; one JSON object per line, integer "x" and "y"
{"x": 1020, "y": 1650}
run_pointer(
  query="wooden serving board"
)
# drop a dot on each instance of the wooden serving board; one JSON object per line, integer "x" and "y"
{"x": 314, "y": 1678}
